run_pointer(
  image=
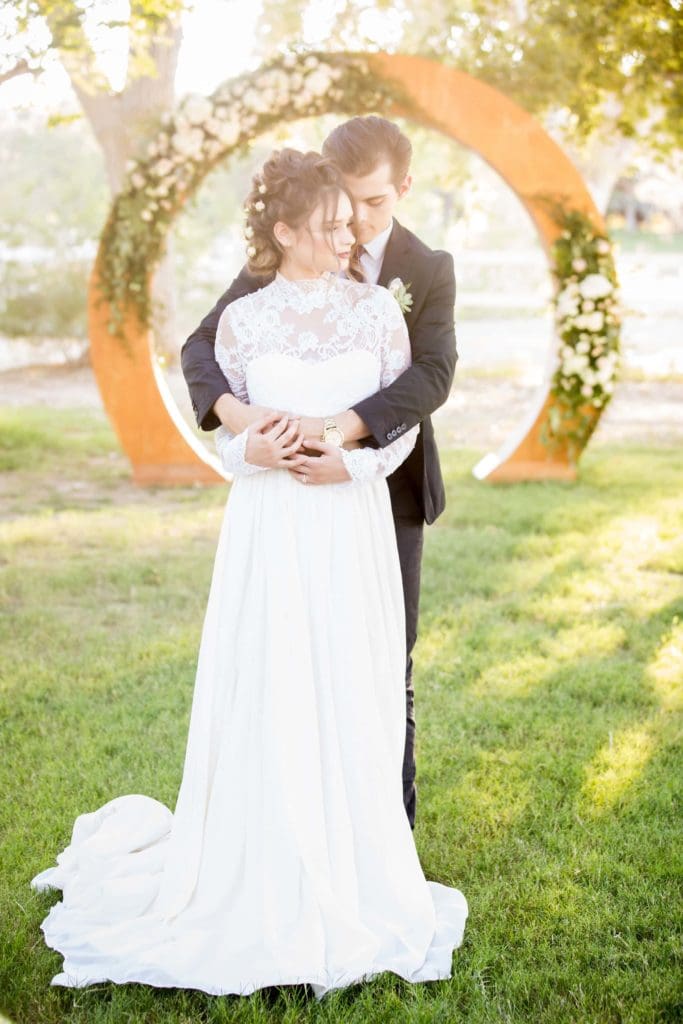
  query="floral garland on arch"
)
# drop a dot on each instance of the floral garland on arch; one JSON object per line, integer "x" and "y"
{"x": 204, "y": 132}
{"x": 588, "y": 322}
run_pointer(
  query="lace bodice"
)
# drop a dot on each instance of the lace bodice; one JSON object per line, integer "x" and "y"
{"x": 313, "y": 347}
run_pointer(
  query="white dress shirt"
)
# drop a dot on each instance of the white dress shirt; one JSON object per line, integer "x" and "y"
{"x": 372, "y": 258}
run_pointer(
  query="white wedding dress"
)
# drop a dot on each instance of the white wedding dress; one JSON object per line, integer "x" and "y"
{"x": 289, "y": 857}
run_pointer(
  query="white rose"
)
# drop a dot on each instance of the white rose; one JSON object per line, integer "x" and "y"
{"x": 162, "y": 168}
{"x": 595, "y": 286}
{"x": 594, "y": 321}
{"x": 574, "y": 364}
{"x": 229, "y": 132}
{"x": 602, "y": 245}
{"x": 587, "y": 390}
{"x": 319, "y": 82}
{"x": 296, "y": 81}
{"x": 583, "y": 346}
{"x": 567, "y": 304}
{"x": 146, "y": 215}
{"x": 255, "y": 100}
{"x": 197, "y": 109}
{"x": 587, "y": 306}
{"x": 137, "y": 180}
{"x": 579, "y": 265}
{"x": 189, "y": 143}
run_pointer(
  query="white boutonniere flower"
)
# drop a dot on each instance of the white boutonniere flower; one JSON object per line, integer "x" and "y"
{"x": 400, "y": 292}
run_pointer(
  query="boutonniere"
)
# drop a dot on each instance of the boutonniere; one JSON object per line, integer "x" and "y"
{"x": 400, "y": 292}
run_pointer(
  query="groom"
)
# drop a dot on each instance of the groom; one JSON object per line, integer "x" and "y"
{"x": 373, "y": 156}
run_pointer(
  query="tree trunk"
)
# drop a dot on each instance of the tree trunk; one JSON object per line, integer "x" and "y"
{"x": 123, "y": 123}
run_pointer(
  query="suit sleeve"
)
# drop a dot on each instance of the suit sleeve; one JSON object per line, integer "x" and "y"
{"x": 203, "y": 376}
{"x": 370, "y": 463}
{"x": 426, "y": 384}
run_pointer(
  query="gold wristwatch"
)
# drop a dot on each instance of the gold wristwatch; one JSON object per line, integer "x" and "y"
{"x": 332, "y": 433}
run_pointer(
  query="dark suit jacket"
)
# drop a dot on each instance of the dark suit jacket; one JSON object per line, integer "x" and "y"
{"x": 416, "y": 487}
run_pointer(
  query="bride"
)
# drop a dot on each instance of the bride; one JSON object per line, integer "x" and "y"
{"x": 289, "y": 857}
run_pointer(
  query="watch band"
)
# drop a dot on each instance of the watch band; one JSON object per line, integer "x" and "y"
{"x": 330, "y": 427}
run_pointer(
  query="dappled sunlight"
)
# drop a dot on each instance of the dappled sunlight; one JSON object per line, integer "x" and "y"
{"x": 512, "y": 677}
{"x": 125, "y": 527}
{"x": 665, "y": 671}
{"x": 497, "y": 792}
{"x": 583, "y": 639}
{"x": 616, "y": 767}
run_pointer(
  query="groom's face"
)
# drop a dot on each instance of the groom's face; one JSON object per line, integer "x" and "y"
{"x": 375, "y": 197}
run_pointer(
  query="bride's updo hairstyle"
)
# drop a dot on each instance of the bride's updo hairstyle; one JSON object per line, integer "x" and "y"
{"x": 288, "y": 188}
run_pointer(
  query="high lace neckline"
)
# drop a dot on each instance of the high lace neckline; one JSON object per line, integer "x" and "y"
{"x": 304, "y": 285}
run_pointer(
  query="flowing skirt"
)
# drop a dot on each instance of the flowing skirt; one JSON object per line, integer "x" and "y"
{"x": 289, "y": 857}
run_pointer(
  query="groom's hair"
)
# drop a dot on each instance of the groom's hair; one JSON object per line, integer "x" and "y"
{"x": 358, "y": 146}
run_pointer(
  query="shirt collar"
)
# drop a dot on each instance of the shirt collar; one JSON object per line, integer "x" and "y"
{"x": 377, "y": 246}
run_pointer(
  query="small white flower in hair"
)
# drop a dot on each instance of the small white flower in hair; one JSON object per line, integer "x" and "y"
{"x": 251, "y": 250}
{"x": 262, "y": 189}
{"x": 259, "y": 205}
{"x": 248, "y": 231}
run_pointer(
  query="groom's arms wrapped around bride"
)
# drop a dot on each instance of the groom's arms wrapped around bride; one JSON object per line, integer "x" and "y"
{"x": 205, "y": 380}
{"x": 426, "y": 384}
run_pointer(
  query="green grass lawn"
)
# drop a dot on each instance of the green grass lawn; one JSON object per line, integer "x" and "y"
{"x": 548, "y": 692}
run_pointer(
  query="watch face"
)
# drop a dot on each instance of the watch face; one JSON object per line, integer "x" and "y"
{"x": 333, "y": 435}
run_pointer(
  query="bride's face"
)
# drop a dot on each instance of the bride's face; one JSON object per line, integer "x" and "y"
{"x": 324, "y": 242}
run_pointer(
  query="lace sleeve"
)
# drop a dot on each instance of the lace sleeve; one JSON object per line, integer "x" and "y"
{"x": 231, "y": 447}
{"x": 364, "y": 464}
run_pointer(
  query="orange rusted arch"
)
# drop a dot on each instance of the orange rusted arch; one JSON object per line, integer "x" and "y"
{"x": 159, "y": 443}
{"x": 524, "y": 155}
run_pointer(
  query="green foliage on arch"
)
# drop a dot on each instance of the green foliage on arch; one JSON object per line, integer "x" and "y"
{"x": 206, "y": 131}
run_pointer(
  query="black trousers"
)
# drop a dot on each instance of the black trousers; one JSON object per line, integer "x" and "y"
{"x": 409, "y": 536}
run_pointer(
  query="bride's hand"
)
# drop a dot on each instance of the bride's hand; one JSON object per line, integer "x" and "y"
{"x": 271, "y": 439}
{"x": 319, "y": 462}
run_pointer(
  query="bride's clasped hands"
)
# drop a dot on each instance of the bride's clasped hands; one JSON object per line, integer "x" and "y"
{"x": 277, "y": 440}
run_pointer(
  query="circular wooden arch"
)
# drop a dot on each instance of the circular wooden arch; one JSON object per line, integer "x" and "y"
{"x": 159, "y": 443}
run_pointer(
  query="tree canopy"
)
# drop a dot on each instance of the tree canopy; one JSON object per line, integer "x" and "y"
{"x": 617, "y": 63}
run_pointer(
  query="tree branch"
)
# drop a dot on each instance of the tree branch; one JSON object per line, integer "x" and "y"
{"x": 22, "y": 67}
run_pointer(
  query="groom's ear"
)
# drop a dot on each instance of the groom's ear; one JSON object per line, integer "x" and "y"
{"x": 404, "y": 187}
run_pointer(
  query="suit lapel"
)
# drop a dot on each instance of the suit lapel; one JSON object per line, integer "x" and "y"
{"x": 394, "y": 254}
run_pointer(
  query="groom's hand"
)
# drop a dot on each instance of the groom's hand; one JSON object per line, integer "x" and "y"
{"x": 326, "y": 468}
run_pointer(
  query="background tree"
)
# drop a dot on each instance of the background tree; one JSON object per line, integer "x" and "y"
{"x": 607, "y": 79}
{"x": 122, "y": 119}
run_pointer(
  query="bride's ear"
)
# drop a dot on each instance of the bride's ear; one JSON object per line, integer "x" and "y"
{"x": 283, "y": 234}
